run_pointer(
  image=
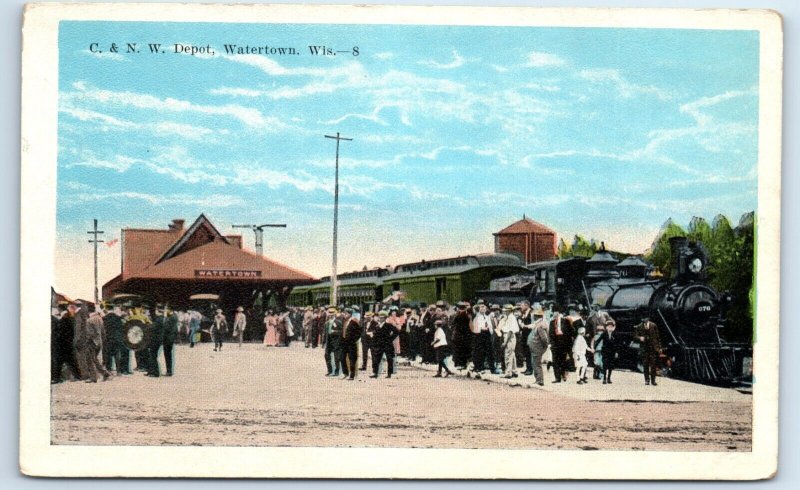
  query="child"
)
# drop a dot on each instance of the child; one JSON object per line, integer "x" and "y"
{"x": 440, "y": 344}
{"x": 597, "y": 348}
{"x": 610, "y": 350}
{"x": 579, "y": 348}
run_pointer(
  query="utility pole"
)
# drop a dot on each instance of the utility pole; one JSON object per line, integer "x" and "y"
{"x": 95, "y": 232}
{"x": 334, "y": 284}
{"x": 259, "y": 231}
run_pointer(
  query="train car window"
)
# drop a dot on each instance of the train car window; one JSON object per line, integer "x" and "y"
{"x": 551, "y": 282}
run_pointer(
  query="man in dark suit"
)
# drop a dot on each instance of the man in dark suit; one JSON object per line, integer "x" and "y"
{"x": 370, "y": 323}
{"x": 462, "y": 336}
{"x": 118, "y": 353}
{"x": 170, "y": 324}
{"x": 156, "y": 342}
{"x": 350, "y": 340}
{"x": 333, "y": 342}
{"x": 383, "y": 344}
{"x": 649, "y": 348}
{"x": 561, "y": 336}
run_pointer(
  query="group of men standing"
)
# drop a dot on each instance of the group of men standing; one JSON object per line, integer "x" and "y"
{"x": 90, "y": 342}
{"x": 501, "y": 340}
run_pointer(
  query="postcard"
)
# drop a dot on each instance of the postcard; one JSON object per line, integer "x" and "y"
{"x": 294, "y": 241}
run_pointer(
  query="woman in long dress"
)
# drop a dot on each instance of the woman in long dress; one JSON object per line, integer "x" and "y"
{"x": 270, "y": 337}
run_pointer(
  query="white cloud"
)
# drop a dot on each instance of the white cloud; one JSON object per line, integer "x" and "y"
{"x": 538, "y": 59}
{"x": 236, "y": 92}
{"x": 248, "y": 116}
{"x": 694, "y": 108}
{"x": 625, "y": 88}
{"x": 498, "y": 68}
{"x": 383, "y": 56}
{"x": 161, "y": 128}
{"x": 457, "y": 62}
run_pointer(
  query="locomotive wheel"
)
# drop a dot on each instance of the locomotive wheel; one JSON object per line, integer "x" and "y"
{"x": 137, "y": 334}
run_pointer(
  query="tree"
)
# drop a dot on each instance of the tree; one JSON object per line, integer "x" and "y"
{"x": 581, "y": 247}
{"x": 660, "y": 254}
{"x": 564, "y": 249}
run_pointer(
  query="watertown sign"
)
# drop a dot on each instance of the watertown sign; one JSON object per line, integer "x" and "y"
{"x": 226, "y": 273}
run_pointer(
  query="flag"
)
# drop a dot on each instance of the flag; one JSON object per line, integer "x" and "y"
{"x": 111, "y": 243}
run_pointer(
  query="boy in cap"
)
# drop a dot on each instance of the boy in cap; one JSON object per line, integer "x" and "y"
{"x": 442, "y": 351}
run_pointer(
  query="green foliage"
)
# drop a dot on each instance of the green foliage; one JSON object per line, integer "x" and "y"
{"x": 581, "y": 247}
{"x": 564, "y": 249}
{"x": 731, "y": 264}
{"x": 660, "y": 255}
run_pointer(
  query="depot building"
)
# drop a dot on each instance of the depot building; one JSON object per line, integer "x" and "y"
{"x": 171, "y": 265}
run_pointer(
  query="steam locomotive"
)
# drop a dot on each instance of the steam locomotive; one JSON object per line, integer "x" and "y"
{"x": 690, "y": 314}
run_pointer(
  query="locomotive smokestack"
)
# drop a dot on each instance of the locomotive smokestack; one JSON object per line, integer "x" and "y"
{"x": 677, "y": 244}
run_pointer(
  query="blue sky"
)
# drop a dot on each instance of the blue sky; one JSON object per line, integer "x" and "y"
{"x": 457, "y": 131}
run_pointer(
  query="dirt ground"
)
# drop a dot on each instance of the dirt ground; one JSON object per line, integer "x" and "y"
{"x": 259, "y": 396}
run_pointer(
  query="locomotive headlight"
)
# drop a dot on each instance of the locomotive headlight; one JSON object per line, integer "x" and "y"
{"x": 696, "y": 265}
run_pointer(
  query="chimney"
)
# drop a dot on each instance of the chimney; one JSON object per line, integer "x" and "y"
{"x": 176, "y": 225}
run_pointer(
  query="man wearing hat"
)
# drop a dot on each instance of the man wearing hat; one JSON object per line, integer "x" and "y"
{"x": 526, "y": 327}
{"x": 427, "y": 331}
{"x": 499, "y": 365}
{"x": 62, "y": 348}
{"x": 308, "y": 324}
{"x": 561, "y": 337}
{"x": 169, "y": 320}
{"x": 370, "y": 323}
{"x": 351, "y": 337}
{"x": 462, "y": 336}
{"x": 538, "y": 343}
{"x": 482, "y": 331}
{"x": 156, "y": 342}
{"x": 383, "y": 344}
{"x": 219, "y": 327}
{"x": 649, "y": 348}
{"x": 239, "y": 324}
{"x": 509, "y": 326}
{"x": 333, "y": 342}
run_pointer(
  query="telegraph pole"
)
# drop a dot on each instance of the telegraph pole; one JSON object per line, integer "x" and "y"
{"x": 95, "y": 232}
{"x": 334, "y": 285}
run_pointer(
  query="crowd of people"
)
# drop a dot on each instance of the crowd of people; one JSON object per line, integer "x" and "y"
{"x": 87, "y": 342}
{"x": 484, "y": 339}
{"x": 481, "y": 338}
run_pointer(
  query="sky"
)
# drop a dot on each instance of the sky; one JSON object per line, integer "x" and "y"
{"x": 457, "y": 132}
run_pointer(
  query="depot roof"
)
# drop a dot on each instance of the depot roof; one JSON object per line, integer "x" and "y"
{"x": 199, "y": 252}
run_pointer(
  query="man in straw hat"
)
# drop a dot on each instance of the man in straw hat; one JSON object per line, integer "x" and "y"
{"x": 509, "y": 326}
{"x": 219, "y": 327}
{"x": 239, "y": 324}
{"x": 538, "y": 342}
